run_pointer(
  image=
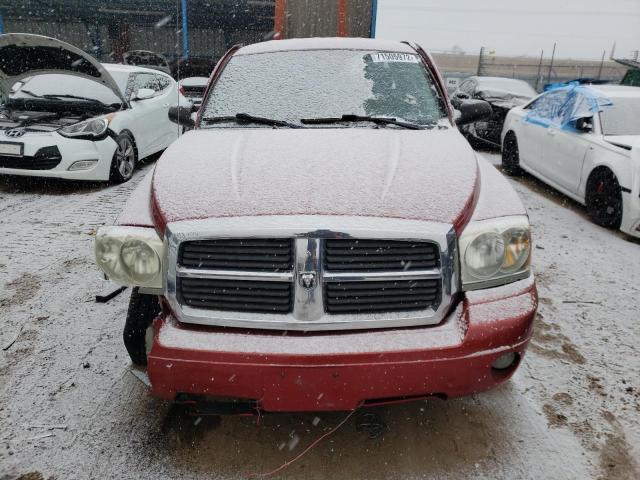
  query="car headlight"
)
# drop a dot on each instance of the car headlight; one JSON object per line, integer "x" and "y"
{"x": 494, "y": 252}
{"x": 88, "y": 129}
{"x": 130, "y": 256}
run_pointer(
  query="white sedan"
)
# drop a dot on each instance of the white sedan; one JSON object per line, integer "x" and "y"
{"x": 65, "y": 115}
{"x": 585, "y": 142}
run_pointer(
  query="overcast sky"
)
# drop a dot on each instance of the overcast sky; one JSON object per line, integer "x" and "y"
{"x": 582, "y": 28}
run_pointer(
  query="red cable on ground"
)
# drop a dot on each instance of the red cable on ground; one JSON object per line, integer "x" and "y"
{"x": 301, "y": 454}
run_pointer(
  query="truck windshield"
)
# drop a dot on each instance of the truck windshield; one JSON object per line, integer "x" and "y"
{"x": 293, "y": 85}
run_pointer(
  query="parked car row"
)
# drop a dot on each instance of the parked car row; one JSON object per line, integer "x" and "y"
{"x": 581, "y": 138}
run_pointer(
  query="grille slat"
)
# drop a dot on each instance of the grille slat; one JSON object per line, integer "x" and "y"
{"x": 371, "y": 266}
{"x": 389, "y": 307}
{"x": 248, "y": 284}
{"x": 376, "y": 293}
{"x": 376, "y": 255}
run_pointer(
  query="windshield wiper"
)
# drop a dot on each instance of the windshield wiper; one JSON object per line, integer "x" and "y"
{"x": 365, "y": 118}
{"x": 246, "y": 118}
{"x": 75, "y": 97}
{"x": 28, "y": 92}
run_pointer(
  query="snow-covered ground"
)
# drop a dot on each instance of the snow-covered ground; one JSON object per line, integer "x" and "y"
{"x": 70, "y": 408}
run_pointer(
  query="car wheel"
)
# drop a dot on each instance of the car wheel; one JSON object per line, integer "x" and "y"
{"x": 124, "y": 159}
{"x": 143, "y": 309}
{"x": 511, "y": 155}
{"x": 604, "y": 199}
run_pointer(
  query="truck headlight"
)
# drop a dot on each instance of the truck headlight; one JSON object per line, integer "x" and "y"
{"x": 495, "y": 252}
{"x": 91, "y": 129}
{"x": 130, "y": 256}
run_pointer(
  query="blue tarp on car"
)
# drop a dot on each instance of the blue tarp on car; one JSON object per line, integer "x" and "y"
{"x": 563, "y": 104}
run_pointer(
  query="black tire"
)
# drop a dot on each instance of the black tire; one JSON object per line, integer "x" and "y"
{"x": 143, "y": 309}
{"x": 511, "y": 155}
{"x": 604, "y": 199}
{"x": 124, "y": 159}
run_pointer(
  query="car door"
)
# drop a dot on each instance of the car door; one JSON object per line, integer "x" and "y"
{"x": 534, "y": 136}
{"x": 566, "y": 148}
{"x": 155, "y": 128}
{"x": 145, "y": 122}
{"x": 169, "y": 95}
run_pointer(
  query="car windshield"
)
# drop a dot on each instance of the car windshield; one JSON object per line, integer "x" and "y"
{"x": 293, "y": 85}
{"x": 68, "y": 86}
{"x": 622, "y": 118}
{"x": 517, "y": 87}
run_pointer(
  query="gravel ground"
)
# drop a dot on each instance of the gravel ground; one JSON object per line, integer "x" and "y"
{"x": 70, "y": 407}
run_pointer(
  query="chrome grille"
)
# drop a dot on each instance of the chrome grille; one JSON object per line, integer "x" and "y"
{"x": 310, "y": 272}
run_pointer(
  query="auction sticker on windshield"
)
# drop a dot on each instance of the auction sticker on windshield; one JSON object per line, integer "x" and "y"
{"x": 388, "y": 57}
{"x": 11, "y": 148}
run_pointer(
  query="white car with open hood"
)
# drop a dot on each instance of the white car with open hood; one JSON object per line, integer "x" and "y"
{"x": 585, "y": 142}
{"x": 65, "y": 115}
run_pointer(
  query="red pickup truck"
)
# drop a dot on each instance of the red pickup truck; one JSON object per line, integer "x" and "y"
{"x": 323, "y": 238}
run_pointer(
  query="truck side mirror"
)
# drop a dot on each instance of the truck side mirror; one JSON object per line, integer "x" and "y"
{"x": 473, "y": 111}
{"x": 181, "y": 116}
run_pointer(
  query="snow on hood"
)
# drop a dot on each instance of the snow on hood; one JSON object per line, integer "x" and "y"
{"x": 423, "y": 175}
{"x": 24, "y": 55}
{"x": 625, "y": 141}
{"x": 503, "y": 98}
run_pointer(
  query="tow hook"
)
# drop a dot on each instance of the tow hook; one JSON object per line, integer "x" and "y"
{"x": 370, "y": 423}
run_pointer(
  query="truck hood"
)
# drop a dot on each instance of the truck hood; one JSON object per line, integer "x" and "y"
{"x": 424, "y": 175}
{"x": 24, "y": 55}
{"x": 624, "y": 141}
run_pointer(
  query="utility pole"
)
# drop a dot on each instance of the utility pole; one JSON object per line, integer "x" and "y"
{"x": 538, "y": 78}
{"x": 601, "y": 64}
{"x": 553, "y": 56}
{"x": 185, "y": 31}
{"x": 483, "y": 52}
{"x": 343, "y": 26}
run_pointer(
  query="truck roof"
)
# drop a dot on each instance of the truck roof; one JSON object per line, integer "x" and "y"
{"x": 326, "y": 44}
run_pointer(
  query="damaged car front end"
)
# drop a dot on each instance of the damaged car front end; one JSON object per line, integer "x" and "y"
{"x": 47, "y": 126}
{"x": 502, "y": 94}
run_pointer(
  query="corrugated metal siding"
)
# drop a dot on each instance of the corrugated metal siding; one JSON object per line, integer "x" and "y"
{"x": 359, "y": 18}
{"x": 160, "y": 40}
{"x": 206, "y": 42}
{"x": 74, "y": 33}
{"x": 319, "y": 18}
{"x": 311, "y": 18}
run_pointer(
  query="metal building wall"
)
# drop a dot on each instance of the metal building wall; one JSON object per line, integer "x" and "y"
{"x": 319, "y": 18}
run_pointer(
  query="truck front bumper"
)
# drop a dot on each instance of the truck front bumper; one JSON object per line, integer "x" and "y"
{"x": 289, "y": 372}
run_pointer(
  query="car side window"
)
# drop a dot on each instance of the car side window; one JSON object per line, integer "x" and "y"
{"x": 546, "y": 109}
{"x": 147, "y": 80}
{"x": 467, "y": 87}
{"x": 163, "y": 82}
